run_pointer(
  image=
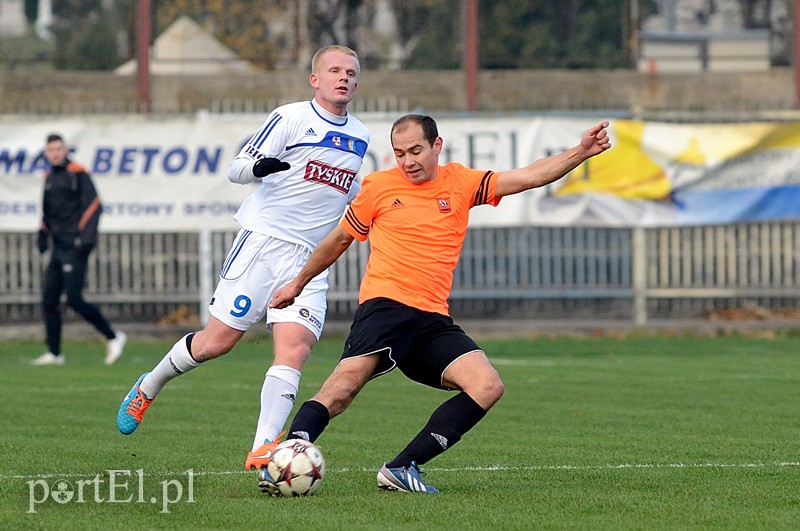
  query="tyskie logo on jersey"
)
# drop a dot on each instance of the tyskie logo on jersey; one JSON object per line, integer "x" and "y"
{"x": 339, "y": 179}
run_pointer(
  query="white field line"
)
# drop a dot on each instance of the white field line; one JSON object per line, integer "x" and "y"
{"x": 496, "y": 468}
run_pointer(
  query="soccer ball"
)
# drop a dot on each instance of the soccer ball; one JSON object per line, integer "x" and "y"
{"x": 296, "y": 469}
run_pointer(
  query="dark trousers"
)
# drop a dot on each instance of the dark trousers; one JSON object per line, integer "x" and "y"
{"x": 66, "y": 273}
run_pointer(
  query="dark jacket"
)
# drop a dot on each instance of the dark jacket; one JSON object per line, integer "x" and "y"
{"x": 70, "y": 207}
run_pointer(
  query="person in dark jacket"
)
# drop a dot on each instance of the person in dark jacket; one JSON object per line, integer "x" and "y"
{"x": 70, "y": 215}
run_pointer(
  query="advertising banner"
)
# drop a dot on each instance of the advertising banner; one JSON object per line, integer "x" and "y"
{"x": 169, "y": 174}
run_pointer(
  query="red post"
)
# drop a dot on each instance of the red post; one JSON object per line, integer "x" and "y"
{"x": 471, "y": 53}
{"x": 143, "y": 55}
{"x": 796, "y": 50}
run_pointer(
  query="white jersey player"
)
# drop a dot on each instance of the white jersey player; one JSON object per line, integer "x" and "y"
{"x": 324, "y": 152}
{"x": 306, "y": 155}
{"x": 298, "y": 206}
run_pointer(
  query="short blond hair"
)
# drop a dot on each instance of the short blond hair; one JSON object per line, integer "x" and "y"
{"x": 317, "y": 59}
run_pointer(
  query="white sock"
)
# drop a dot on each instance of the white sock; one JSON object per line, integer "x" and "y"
{"x": 277, "y": 399}
{"x": 176, "y": 362}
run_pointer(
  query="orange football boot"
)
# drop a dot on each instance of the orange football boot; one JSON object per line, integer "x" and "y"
{"x": 261, "y": 457}
{"x": 133, "y": 408}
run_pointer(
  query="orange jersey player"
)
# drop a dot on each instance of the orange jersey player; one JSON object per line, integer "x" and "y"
{"x": 415, "y": 216}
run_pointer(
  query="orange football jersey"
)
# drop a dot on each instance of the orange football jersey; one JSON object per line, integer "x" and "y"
{"x": 416, "y": 231}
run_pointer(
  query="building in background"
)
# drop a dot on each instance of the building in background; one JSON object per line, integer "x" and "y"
{"x": 186, "y": 48}
{"x": 711, "y": 35}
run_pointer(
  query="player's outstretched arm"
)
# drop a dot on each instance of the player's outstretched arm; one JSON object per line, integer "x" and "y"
{"x": 326, "y": 253}
{"x": 549, "y": 169}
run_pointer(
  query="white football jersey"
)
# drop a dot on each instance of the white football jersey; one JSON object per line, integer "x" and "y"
{"x": 304, "y": 203}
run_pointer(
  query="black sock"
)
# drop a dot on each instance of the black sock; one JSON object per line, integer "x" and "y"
{"x": 309, "y": 421}
{"x": 448, "y": 423}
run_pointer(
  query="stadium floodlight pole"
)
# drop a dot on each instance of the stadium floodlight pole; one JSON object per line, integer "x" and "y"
{"x": 633, "y": 41}
{"x": 143, "y": 13}
{"x": 471, "y": 53}
{"x": 796, "y": 50}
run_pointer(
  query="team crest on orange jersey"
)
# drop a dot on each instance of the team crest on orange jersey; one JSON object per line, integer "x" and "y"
{"x": 444, "y": 204}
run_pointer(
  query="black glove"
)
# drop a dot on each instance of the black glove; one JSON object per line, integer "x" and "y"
{"x": 264, "y": 167}
{"x": 42, "y": 241}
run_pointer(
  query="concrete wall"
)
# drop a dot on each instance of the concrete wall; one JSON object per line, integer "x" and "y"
{"x": 432, "y": 91}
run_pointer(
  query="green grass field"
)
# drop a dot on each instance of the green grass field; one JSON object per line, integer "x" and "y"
{"x": 636, "y": 433}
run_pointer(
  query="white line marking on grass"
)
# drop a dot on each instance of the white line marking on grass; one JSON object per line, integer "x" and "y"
{"x": 69, "y": 390}
{"x": 496, "y": 468}
{"x": 620, "y": 466}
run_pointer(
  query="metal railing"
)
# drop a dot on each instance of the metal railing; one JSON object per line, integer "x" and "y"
{"x": 631, "y": 274}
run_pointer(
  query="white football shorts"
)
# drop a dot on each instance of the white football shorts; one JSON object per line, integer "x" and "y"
{"x": 256, "y": 266}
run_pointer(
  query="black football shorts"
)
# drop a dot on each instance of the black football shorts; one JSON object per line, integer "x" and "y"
{"x": 421, "y": 344}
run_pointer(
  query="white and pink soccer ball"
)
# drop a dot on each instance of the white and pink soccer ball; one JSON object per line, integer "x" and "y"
{"x": 296, "y": 469}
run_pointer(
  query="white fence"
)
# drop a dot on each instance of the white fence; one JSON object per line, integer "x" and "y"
{"x": 629, "y": 274}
